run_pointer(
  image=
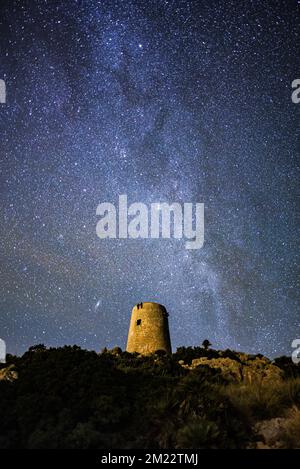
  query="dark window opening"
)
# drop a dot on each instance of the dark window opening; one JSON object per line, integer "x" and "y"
{"x": 138, "y": 323}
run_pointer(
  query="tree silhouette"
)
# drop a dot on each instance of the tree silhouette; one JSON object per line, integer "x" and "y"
{"x": 37, "y": 348}
{"x": 206, "y": 344}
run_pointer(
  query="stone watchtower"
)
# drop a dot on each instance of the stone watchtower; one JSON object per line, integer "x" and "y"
{"x": 149, "y": 329}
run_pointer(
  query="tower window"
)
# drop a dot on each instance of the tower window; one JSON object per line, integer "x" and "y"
{"x": 138, "y": 322}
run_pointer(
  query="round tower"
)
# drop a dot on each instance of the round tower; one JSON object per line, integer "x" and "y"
{"x": 149, "y": 329}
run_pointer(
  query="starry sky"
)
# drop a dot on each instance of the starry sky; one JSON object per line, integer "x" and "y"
{"x": 162, "y": 100}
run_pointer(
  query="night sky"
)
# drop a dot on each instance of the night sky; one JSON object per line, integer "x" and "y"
{"x": 174, "y": 101}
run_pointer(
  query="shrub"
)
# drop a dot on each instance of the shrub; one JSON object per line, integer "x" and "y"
{"x": 259, "y": 400}
{"x": 199, "y": 434}
{"x": 290, "y": 435}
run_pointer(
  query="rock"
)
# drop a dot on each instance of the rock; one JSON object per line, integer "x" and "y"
{"x": 231, "y": 369}
{"x": 271, "y": 431}
{"x": 262, "y": 445}
{"x": 259, "y": 370}
{"x": 8, "y": 374}
{"x": 243, "y": 367}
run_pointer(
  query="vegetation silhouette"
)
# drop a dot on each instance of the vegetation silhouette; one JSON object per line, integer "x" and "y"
{"x": 206, "y": 344}
{"x": 73, "y": 398}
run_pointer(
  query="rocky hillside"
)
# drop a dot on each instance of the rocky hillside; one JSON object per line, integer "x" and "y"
{"x": 196, "y": 398}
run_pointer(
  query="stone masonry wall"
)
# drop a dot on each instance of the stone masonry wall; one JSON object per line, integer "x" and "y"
{"x": 149, "y": 329}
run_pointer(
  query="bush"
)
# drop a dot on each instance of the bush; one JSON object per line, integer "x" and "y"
{"x": 73, "y": 398}
{"x": 259, "y": 400}
{"x": 199, "y": 434}
{"x": 290, "y": 435}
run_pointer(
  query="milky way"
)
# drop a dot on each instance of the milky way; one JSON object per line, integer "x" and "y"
{"x": 174, "y": 101}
